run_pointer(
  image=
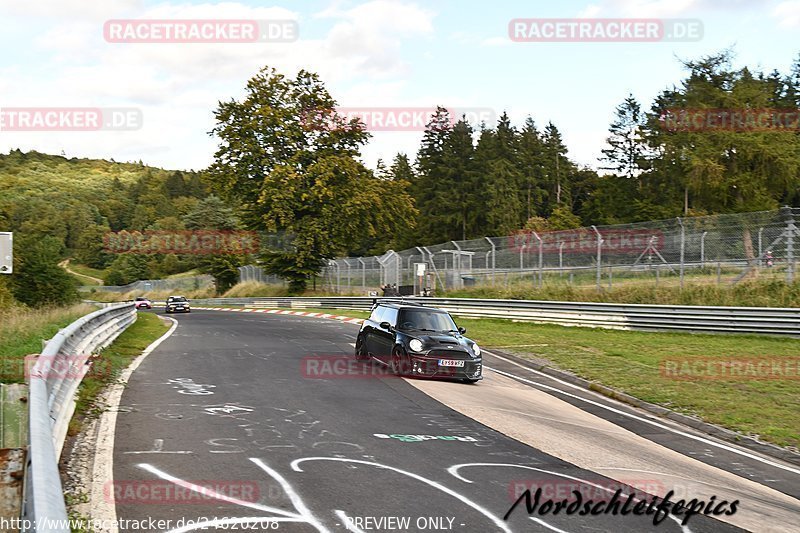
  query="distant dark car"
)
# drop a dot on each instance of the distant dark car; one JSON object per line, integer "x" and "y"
{"x": 177, "y": 304}
{"x": 413, "y": 340}
{"x": 142, "y": 302}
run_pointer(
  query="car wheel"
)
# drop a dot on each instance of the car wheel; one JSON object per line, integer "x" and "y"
{"x": 400, "y": 365}
{"x": 470, "y": 381}
{"x": 361, "y": 355}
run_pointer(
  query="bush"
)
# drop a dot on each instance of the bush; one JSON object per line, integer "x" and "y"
{"x": 37, "y": 279}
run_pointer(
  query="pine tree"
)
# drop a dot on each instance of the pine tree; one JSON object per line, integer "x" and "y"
{"x": 626, "y": 153}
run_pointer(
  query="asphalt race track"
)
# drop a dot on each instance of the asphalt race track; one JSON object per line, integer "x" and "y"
{"x": 231, "y": 403}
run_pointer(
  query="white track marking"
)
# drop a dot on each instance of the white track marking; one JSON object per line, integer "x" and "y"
{"x": 499, "y": 523}
{"x": 217, "y": 496}
{"x": 103, "y": 471}
{"x": 296, "y": 500}
{"x": 453, "y": 470}
{"x": 631, "y": 415}
{"x": 548, "y": 526}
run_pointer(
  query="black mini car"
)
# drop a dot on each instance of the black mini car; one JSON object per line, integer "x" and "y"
{"x": 177, "y": 304}
{"x": 413, "y": 340}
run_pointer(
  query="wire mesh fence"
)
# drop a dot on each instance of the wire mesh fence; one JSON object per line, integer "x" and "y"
{"x": 711, "y": 249}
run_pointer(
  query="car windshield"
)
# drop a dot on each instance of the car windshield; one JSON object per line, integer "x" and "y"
{"x": 140, "y": 299}
{"x": 178, "y": 299}
{"x": 425, "y": 320}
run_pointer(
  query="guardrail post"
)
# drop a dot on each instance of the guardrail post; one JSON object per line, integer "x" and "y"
{"x": 599, "y": 256}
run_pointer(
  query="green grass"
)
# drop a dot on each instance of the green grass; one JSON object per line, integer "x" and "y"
{"x": 13, "y": 416}
{"x": 112, "y": 361}
{"x": 22, "y": 331}
{"x": 697, "y": 291}
{"x": 630, "y": 361}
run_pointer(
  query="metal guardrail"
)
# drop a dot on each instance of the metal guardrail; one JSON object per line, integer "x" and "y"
{"x": 54, "y": 379}
{"x": 743, "y": 320}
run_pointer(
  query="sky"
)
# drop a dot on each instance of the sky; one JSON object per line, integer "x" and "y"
{"x": 378, "y": 54}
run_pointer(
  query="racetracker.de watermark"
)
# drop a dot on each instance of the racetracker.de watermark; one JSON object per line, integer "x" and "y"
{"x": 735, "y": 120}
{"x": 601, "y": 489}
{"x": 62, "y": 367}
{"x": 189, "y": 31}
{"x": 731, "y": 369}
{"x": 394, "y": 118}
{"x": 160, "y": 492}
{"x": 588, "y": 30}
{"x": 70, "y": 119}
{"x": 182, "y": 242}
{"x": 341, "y": 366}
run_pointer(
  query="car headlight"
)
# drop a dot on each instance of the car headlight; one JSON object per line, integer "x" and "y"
{"x": 476, "y": 349}
{"x": 415, "y": 345}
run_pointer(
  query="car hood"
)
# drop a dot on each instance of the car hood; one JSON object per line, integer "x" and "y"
{"x": 443, "y": 340}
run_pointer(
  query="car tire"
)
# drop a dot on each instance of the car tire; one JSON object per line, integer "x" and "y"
{"x": 470, "y": 381}
{"x": 400, "y": 365}
{"x": 361, "y": 355}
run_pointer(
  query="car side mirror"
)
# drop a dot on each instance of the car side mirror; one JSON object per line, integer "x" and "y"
{"x": 462, "y": 330}
{"x": 386, "y": 326}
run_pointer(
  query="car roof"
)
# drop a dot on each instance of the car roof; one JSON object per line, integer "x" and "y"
{"x": 408, "y": 305}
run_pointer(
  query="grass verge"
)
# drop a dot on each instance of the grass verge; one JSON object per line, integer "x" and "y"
{"x": 631, "y": 362}
{"x": 22, "y": 331}
{"x": 113, "y": 360}
{"x": 754, "y": 293}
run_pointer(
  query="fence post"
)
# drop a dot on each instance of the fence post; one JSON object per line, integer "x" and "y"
{"x": 703, "y": 248}
{"x": 683, "y": 246}
{"x": 521, "y": 251}
{"x": 363, "y": 274}
{"x": 458, "y": 269}
{"x": 540, "y": 257}
{"x": 561, "y": 259}
{"x": 599, "y": 255}
{"x": 760, "y": 231}
{"x": 494, "y": 254}
{"x": 790, "y": 233}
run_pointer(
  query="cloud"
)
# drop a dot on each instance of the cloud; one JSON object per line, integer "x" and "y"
{"x": 177, "y": 86}
{"x": 788, "y": 14}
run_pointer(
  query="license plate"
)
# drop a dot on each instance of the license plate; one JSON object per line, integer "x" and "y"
{"x": 450, "y": 362}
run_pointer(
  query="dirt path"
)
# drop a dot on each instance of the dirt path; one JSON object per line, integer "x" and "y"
{"x": 65, "y": 265}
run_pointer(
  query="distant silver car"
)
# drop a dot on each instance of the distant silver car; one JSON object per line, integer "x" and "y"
{"x": 142, "y": 302}
{"x": 177, "y": 304}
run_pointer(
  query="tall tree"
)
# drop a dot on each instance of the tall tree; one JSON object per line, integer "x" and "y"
{"x": 530, "y": 159}
{"x": 627, "y": 149}
{"x": 557, "y": 168}
{"x": 290, "y": 161}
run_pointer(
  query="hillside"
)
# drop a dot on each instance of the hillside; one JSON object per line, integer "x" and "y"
{"x": 71, "y": 204}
